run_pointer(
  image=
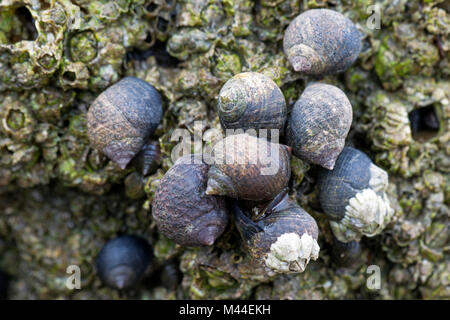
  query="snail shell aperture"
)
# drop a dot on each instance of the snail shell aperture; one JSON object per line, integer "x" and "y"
{"x": 353, "y": 196}
{"x": 123, "y": 261}
{"x": 284, "y": 239}
{"x": 319, "y": 123}
{"x": 181, "y": 209}
{"x": 122, "y": 118}
{"x": 251, "y": 100}
{"x": 249, "y": 168}
{"x": 321, "y": 41}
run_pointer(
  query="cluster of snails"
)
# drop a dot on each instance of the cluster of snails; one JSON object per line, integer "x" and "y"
{"x": 249, "y": 174}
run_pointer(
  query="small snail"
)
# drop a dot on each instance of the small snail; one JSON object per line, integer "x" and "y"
{"x": 171, "y": 276}
{"x": 249, "y": 168}
{"x": 181, "y": 209}
{"x": 122, "y": 118}
{"x": 149, "y": 158}
{"x": 346, "y": 254}
{"x": 321, "y": 41}
{"x": 319, "y": 123}
{"x": 122, "y": 261}
{"x": 284, "y": 239}
{"x": 353, "y": 196}
{"x": 251, "y": 100}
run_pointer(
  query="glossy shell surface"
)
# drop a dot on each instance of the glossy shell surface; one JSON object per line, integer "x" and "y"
{"x": 248, "y": 168}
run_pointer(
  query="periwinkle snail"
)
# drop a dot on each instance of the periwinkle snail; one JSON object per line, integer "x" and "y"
{"x": 122, "y": 118}
{"x": 353, "y": 196}
{"x": 283, "y": 239}
{"x": 122, "y": 261}
{"x": 183, "y": 211}
{"x": 249, "y": 168}
{"x": 319, "y": 123}
{"x": 251, "y": 100}
{"x": 149, "y": 158}
{"x": 321, "y": 41}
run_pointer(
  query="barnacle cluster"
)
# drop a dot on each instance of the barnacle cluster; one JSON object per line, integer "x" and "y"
{"x": 62, "y": 200}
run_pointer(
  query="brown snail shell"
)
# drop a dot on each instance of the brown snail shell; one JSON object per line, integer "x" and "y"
{"x": 249, "y": 168}
{"x": 122, "y": 118}
{"x": 319, "y": 123}
{"x": 181, "y": 209}
{"x": 251, "y": 100}
{"x": 321, "y": 41}
{"x": 284, "y": 239}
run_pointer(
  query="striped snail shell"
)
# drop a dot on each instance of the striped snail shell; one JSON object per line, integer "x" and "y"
{"x": 249, "y": 168}
{"x": 353, "y": 195}
{"x": 251, "y": 100}
{"x": 181, "y": 209}
{"x": 122, "y": 118}
{"x": 149, "y": 158}
{"x": 321, "y": 41}
{"x": 319, "y": 123}
{"x": 284, "y": 239}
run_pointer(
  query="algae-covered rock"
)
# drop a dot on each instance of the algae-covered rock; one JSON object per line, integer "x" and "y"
{"x": 61, "y": 200}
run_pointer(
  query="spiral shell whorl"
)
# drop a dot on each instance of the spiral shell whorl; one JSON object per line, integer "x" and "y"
{"x": 251, "y": 100}
{"x": 122, "y": 118}
{"x": 321, "y": 41}
{"x": 319, "y": 124}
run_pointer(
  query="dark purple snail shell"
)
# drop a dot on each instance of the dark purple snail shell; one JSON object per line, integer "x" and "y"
{"x": 122, "y": 118}
{"x": 122, "y": 261}
{"x": 183, "y": 211}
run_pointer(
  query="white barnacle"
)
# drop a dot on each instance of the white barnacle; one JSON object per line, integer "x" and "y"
{"x": 291, "y": 253}
{"x": 378, "y": 178}
{"x": 367, "y": 213}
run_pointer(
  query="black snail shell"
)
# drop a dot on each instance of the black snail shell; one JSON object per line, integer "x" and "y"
{"x": 353, "y": 196}
{"x": 122, "y": 261}
{"x": 321, "y": 41}
{"x": 183, "y": 211}
{"x": 319, "y": 123}
{"x": 251, "y": 100}
{"x": 122, "y": 118}
{"x": 171, "y": 276}
{"x": 346, "y": 254}
{"x": 249, "y": 168}
{"x": 284, "y": 239}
